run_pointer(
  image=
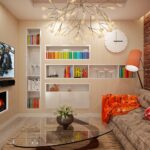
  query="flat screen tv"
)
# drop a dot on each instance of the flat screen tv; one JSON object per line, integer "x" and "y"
{"x": 6, "y": 61}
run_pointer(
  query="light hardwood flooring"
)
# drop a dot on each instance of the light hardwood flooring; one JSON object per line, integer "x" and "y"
{"x": 106, "y": 142}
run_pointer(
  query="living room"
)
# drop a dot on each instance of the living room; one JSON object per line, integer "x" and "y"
{"x": 58, "y": 62}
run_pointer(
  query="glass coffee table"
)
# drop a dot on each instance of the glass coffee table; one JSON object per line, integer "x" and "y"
{"x": 45, "y": 134}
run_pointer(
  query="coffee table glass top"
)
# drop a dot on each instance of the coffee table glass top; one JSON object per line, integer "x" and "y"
{"x": 43, "y": 132}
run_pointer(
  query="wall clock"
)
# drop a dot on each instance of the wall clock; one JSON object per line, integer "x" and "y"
{"x": 116, "y": 41}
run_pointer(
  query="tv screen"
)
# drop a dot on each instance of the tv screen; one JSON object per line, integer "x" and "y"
{"x": 6, "y": 61}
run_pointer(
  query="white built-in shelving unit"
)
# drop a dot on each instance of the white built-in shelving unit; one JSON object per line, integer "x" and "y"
{"x": 33, "y": 68}
{"x": 58, "y": 92}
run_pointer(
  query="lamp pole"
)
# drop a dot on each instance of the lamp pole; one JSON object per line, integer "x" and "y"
{"x": 140, "y": 79}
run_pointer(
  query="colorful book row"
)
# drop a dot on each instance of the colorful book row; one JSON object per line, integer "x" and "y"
{"x": 33, "y": 39}
{"x": 123, "y": 73}
{"x": 33, "y": 102}
{"x": 67, "y": 55}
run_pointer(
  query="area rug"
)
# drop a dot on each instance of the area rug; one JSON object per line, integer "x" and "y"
{"x": 105, "y": 142}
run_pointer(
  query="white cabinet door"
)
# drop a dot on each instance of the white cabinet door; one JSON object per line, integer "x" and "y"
{"x": 66, "y": 98}
{"x": 52, "y": 99}
{"x": 80, "y": 99}
{"x": 73, "y": 99}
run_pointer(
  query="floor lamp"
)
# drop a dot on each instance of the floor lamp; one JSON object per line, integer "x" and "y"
{"x": 133, "y": 63}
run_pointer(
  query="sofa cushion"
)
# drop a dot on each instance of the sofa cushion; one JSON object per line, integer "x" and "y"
{"x": 144, "y": 98}
{"x": 136, "y": 129}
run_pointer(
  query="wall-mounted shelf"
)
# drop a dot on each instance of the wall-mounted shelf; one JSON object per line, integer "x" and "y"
{"x": 103, "y": 71}
{"x": 66, "y": 71}
{"x": 67, "y": 52}
{"x": 33, "y": 68}
{"x": 88, "y": 71}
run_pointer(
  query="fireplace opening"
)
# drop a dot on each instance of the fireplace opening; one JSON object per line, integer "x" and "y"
{"x": 3, "y": 101}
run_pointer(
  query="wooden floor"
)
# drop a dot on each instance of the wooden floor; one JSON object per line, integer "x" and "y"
{"x": 106, "y": 142}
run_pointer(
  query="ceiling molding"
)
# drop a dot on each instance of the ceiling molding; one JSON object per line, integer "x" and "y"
{"x": 88, "y": 1}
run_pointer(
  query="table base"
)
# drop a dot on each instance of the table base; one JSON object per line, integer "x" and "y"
{"x": 93, "y": 143}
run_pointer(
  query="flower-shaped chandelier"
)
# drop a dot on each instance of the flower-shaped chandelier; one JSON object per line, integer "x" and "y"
{"x": 76, "y": 16}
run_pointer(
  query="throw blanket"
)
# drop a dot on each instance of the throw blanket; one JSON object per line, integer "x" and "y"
{"x": 117, "y": 105}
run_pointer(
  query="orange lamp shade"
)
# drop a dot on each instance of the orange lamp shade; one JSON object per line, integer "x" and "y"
{"x": 133, "y": 61}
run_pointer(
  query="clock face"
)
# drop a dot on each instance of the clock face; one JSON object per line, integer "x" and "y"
{"x": 116, "y": 41}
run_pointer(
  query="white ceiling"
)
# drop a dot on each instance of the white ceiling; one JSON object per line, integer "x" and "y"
{"x": 25, "y": 10}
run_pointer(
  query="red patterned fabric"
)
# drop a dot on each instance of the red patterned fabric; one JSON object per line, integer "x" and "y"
{"x": 117, "y": 105}
{"x": 147, "y": 113}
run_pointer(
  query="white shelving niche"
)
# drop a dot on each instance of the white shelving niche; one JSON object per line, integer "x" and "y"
{"x": 87, "y": 71}
{"x": 33, "y": 68}
{"x": 67, "y": 52}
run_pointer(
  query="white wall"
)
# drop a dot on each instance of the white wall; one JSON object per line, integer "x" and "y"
{"x": 99, "y": 55}
{"x": 9, "y": 35}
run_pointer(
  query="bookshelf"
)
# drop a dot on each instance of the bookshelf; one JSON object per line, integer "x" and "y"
{"x": 88, "y": 71}
{"x": 67, "y": 52}
{"x": 33, "y": 68}
{"x": 66, "y": 71}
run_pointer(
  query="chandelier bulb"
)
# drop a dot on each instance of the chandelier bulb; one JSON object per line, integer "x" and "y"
{"x": 82, "y": 21}
{"x": 59, "y": 12}
{"x": 50, "y": 1}
{"x": 68, "y": 15}
{"x": 92, "y": 17}
{"x": 62, "y": 19}
{"x": 72, "y": 1}
{"x": 43, "y": 8}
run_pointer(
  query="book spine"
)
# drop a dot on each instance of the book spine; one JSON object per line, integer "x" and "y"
{"x": 56, "y": 55}
{"x": 34, "y": 39}
{"x": 123, "y": 68}
{"x": 28, "y": 39}
{"x": 38, "y": 39}
{"x": 70, "y": 55}
{"x": 126, "y": 73}
{"x": 31, "y": 39}
{"x": 120, "y": 72}
{"x": 46, "y": 55}
{"x": 34, "y": 102}
{"x": 28, "y": 103}
{"x": 38, "y": 102}
{"x": 31, "y": 103}
{"x": 86, "y": 55}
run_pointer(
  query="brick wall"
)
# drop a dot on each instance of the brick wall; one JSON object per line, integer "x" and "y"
{"x": 147, "y": 51}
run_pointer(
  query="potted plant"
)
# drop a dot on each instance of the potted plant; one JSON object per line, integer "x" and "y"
{"x": 65, "y": 116}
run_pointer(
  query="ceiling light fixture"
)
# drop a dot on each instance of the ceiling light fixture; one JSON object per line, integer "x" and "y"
{"x": 75, "y": 16}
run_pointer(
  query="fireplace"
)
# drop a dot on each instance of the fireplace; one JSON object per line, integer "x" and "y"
{"x": 3, "y": 101}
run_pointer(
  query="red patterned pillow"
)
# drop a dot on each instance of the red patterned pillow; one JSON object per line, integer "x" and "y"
{"x": 147, "y": 113}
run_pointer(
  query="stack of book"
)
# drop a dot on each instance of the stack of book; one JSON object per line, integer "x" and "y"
{"x": 67, "y": 55}
{"x": 80, "y": 55}
{"x": 33, "y": 102}
{"x": 58, "y": 55}
{"x": 123, "y": 73}
{"x": 68, "y": 72}
{"x": 33, "y": 39}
